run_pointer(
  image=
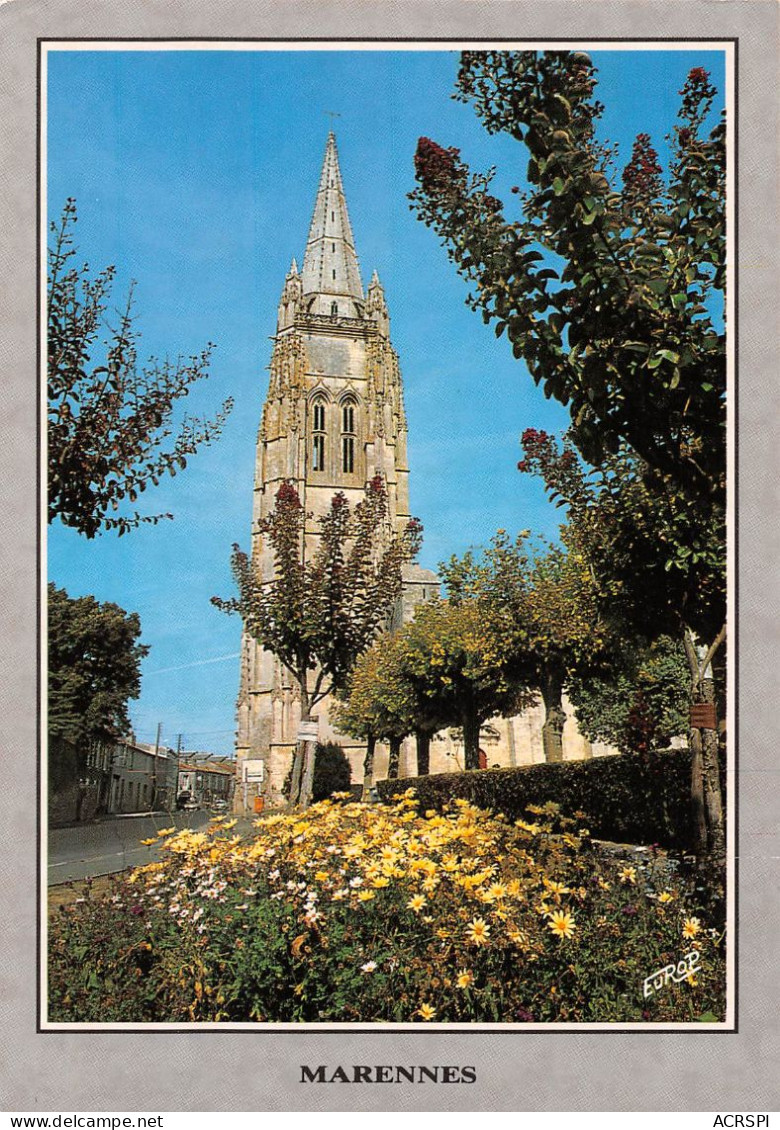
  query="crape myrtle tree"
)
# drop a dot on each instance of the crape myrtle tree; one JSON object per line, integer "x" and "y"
{"x": 612, "y": 294}
{"x": 110, "y": 432}
{"x": 625, "y": 333}
{"x": 94, "y": 669}
{"x": 660, "y": 572}
{"x": 320, "y": 611}
{"x": 542, "y": 609}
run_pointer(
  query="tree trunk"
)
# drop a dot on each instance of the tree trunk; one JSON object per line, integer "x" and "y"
{"x": 698, "y": 813}
{"x": 307, "y": 778}
{"x": 711, "y": 773}
{"x": 368, "y": 767}
{"x": 300, "y": 751}
{"x": 471, "y": 728}
{"x": 394, "y": 759}
{"x": 423, "y": 753}
{"x": 554, "y": 717}
{"x": 707, "y": 803}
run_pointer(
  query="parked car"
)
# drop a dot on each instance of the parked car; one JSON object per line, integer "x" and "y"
{"x": 219, "y": 805}
{"x": 186, "y": 802}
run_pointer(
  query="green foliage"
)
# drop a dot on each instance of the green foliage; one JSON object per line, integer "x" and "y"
{"x": 542, "y": 609}
{"x": 627, "y": 799}
{"x": 355, "y": 913}
{"x": 624, "y": 334}
{"x": 455, "y": 663}
{"x": 94, "y": 660}
{"x": 108, "y": 419}
{"x": 642, "y": 704}
{"x": 382, "y": 700}
{"x": 658, "y": 559}
{"x": 332, "y": 772}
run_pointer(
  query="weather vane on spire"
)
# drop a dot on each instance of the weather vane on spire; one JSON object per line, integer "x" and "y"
{"x": 331, "y": 114}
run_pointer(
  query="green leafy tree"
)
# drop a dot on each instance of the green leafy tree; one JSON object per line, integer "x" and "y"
{"x": 319, "y": 613}
{"x": 456, "y": 664}
{"x": 641, "y": 703}
{"x": 660, "y": 572}
{"x": 625, "y": 333}
{"x": 109, "y": 418}
{"x": 381, "y": 704}
{"x": 94, "y": 670}
{"x": 542, "y": 608}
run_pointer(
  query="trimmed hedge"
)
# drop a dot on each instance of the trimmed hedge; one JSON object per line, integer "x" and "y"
{"x": 627, "y": 799}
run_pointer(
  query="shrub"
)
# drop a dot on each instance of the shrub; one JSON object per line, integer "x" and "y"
{"x": 628, "y": 799}
{"x": 332, "y": 771}
{"x": 376, "y": 913}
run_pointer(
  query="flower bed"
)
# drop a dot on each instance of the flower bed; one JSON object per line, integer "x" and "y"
{"x": 380, "y": 913}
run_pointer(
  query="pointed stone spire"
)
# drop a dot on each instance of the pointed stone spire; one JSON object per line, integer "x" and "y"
{"x": 330, "y": 265}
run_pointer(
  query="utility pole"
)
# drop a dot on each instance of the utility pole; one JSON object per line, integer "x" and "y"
{"x": 156, "y": 754}
{"x": 178, "y": 768}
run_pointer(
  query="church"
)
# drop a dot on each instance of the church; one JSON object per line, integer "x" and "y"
{"x": 332, "y": 419}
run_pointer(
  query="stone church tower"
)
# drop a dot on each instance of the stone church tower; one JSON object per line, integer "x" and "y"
{"x": 333, "y": 418}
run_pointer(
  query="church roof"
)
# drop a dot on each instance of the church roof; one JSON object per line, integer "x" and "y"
{"x": 330, "y": 265}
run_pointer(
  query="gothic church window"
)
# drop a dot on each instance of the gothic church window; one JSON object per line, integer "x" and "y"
{"x": 318, "y": 436}
{"x": 348, "y": 437}
{"x": 334, "y": 309}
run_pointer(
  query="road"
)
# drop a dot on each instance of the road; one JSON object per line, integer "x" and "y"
{"x": 111, "y": 844}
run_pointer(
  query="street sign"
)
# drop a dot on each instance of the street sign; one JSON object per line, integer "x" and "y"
{"x": 253, "y": 768}
{"x": 307, "y": 731}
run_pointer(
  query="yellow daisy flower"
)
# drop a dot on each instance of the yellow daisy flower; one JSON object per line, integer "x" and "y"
{"x": 691, "y": 927}
{"x": 464, "y": 979}
{"x": 478, "y": 932}
{"x": 416, "y": 903}
{"x": 628, "y": 875}
{"x": 562, "y": 924}
{"x": 665, "y": 896}
{"x": 366, "y": 896}
{"x": 426, "y": 1012}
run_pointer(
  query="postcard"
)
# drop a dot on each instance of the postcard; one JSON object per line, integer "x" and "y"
{"x": 399, "y": 417}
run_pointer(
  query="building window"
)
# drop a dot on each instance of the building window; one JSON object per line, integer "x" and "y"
{"x": 318, "y": 436}
{"x": 334, "y": 309}
{"x": 334, "y": 274}
{"x": 333, "y": 246}
{"x": 348, "y": 437}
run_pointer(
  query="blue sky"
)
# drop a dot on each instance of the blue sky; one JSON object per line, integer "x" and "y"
{"x": 195, "y": 173}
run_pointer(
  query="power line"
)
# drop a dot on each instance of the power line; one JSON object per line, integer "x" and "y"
{"x": 196, "y": 663}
